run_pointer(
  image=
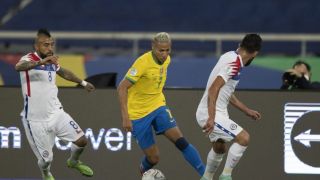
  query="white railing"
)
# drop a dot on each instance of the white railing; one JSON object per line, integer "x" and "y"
{"x": 137, "y": 36}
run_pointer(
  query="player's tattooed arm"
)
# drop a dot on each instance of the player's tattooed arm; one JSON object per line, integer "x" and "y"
{"x": 26, "y": 65}
{"x": 68, "y": 75}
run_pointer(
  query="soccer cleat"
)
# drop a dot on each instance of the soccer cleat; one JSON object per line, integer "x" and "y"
{"x": 225, "y": 177}
{"x": 81, "y": 167}
{"x": 48, "y": 177}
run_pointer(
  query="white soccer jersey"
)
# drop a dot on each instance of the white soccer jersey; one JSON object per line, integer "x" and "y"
{"x": 228, "y": 67}
{"x": 39, "y": 90}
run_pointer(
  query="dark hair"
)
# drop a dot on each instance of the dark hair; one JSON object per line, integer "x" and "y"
{"x": 251, "y": 43}
{"x": 43, "y": 31}
{"x": 300, "y": 62}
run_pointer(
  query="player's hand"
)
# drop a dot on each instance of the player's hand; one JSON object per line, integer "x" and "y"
{"x": 294, "y": 73}
{"x": 254, "y": 114}
{"x": 208, "y": 127}
{"x": 50, "y": 60}
{"x": 89, "y": 87}
{"x": 127, "y": 125}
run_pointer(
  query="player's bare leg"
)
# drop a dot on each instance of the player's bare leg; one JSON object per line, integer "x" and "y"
{"x": 77, "y": 148}
{"x": 214, "y": 159}
{"x": 150, "y": 159}
{"x": 235, "y": 153}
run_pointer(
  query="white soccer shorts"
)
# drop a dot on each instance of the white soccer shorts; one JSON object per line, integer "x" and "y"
{"x": 41, "y": 134}
{"x": 224, "y": 128}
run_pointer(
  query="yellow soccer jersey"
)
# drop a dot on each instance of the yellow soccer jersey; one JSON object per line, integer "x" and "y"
{"x": 148, "y": 78}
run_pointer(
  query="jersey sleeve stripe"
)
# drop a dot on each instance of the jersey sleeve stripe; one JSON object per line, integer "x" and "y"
{"x": 33, "y": 57}
{"x": 236, "y": 66}
{"x": 131, "y": 80}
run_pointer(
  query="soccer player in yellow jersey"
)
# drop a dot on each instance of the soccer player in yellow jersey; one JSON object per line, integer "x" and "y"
{"x": 143, "y": 105}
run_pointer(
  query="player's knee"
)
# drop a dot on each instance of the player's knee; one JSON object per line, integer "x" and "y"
{"x": 81, "y": 142}
{"x": 181, "y": 143}
{"x": 153, "y": 159}
{"x": 44, "y": 164}
{"x": 219, "y": 146}
{"x": 243, "y": 138}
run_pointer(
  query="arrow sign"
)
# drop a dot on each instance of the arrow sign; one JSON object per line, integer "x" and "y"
{"x": 306, "y": 137}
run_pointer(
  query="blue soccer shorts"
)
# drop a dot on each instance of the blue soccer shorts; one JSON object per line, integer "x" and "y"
{"x": 160, "y": 119}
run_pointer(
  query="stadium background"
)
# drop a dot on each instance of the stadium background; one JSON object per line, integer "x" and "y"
{"x": 264, "y": 159}
{"x": 192, "y": 61}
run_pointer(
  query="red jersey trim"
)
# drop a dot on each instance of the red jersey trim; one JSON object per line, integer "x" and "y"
{"x": 28, "y": 84}
{"x": 33, "y": 57}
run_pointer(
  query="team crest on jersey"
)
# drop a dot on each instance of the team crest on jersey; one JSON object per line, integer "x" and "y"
{"x": 233, "y": 126}
{"x": 45, "y": 154}
{"x": 161, "y": 70}
{"x": 133, "y": 71}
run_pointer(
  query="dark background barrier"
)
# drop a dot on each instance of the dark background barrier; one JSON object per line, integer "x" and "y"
{"x": 263, "y": 160}
{"x": 207, "y": 16}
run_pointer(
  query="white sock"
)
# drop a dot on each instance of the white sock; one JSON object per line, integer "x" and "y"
{"x": 75, "y": 153}
{"x": 44, "y": 167}
{"x": 213, "y": 161}
{"x": 234, "y": 155}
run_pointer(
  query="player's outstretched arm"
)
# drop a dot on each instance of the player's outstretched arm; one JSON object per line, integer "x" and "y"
{"x": 123, "y": 98}
{"x": 25, "y": 65}
{"x": 242, "y": 107}
{"x": 70, "y": 76}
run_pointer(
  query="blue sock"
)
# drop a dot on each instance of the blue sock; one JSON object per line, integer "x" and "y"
{"x": 145, "y": 165}
{"x": 191, "y": 154}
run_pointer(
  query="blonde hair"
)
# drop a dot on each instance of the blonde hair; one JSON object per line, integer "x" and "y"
{"x": 162, "y": 37}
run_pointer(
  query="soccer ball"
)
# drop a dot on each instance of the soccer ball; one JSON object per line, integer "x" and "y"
{"x": 153, "y": 174}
